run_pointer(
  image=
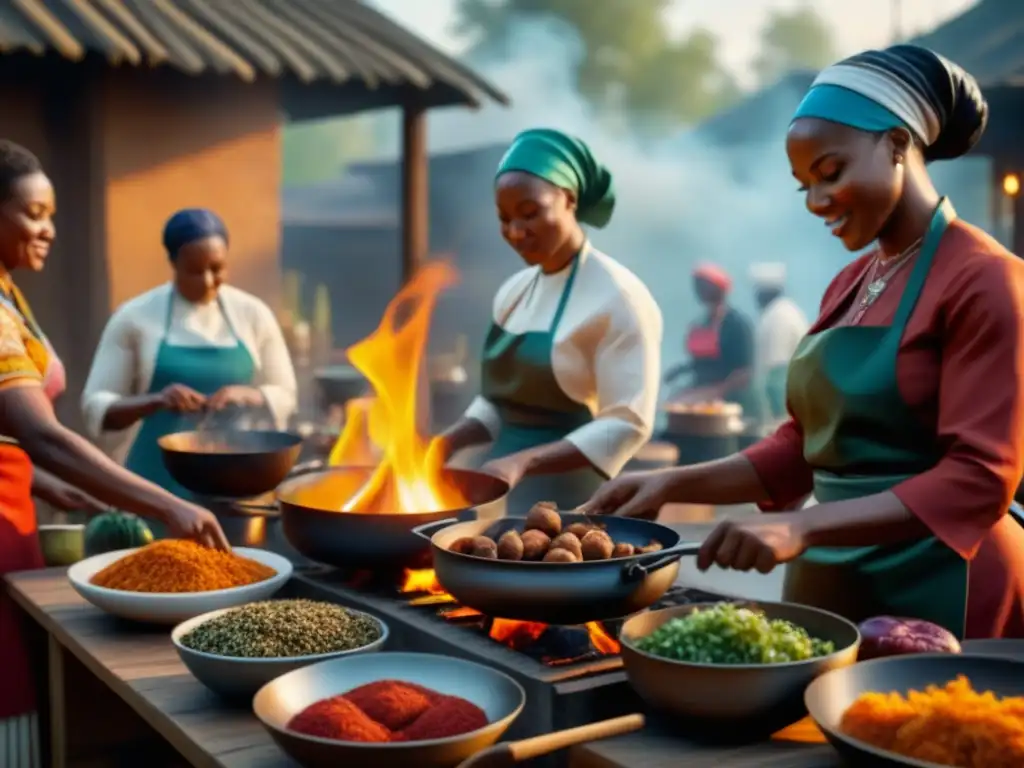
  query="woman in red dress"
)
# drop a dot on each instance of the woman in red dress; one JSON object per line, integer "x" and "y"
{"x": 906, "y": 397}
{"x": 31, "y": 375}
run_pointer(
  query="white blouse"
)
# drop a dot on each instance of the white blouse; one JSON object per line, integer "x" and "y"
{"x": 606, "y": 355}
{"x": 124, "y": 361}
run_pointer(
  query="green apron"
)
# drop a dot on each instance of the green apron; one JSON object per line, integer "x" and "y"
{"x": 205, "y": 369}
{"x": 518, "y": 378}
{"x": 862, "y": 439}
{"x": 774, "y": 387}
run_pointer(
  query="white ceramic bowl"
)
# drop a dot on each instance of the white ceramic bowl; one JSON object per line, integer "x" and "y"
{"x": 236, "y": 677}
{"x": 173, "y": 607}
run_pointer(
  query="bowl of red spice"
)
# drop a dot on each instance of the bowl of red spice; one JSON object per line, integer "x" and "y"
{"x": 172, "y": 580}
{"x": 388, "y": 710}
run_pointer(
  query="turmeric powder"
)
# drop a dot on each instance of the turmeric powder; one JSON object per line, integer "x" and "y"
{"x": 177, "y": 565}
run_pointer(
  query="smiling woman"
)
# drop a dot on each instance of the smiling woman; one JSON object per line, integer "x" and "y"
{"x": 571, "y": 363}
{"x": 906, "y": 398}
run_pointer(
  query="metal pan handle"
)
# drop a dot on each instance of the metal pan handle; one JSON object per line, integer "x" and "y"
{"x": 427, "y": 530}
{"x": 642, "y": 565}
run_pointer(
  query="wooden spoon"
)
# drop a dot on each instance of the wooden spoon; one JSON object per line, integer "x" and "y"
{"x": 511, "y": 752}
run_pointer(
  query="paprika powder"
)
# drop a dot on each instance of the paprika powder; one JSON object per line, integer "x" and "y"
{"x": 389, "y": 710}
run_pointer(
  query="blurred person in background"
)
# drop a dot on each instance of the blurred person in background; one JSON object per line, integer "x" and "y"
{"x": 31, "y": 377}
{"x": 179, "y": 351}
{"x": 905, "y": 424}
{"x": 779, "y": 330}
{"x": 720, "y": 347}
{"x": 571, "y": 362}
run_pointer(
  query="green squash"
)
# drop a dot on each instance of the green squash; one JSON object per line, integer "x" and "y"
{"x": 115, "y": 530}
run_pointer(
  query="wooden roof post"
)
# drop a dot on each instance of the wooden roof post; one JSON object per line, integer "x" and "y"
{"x": 416, "y": 227}
{"x": 415, "y": 195}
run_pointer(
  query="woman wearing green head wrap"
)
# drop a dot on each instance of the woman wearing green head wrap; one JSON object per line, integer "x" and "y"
{"x": 905, "y": 398}
{"x": 570, "y": 367}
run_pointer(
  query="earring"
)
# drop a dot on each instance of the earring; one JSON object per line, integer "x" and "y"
{"x": 898, "y": 159}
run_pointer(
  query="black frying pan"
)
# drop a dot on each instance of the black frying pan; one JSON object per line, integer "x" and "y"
{"x": 832, "y": 693}
{"x": 230, "y": 464}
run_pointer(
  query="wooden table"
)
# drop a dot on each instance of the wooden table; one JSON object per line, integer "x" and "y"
{"x": 119, "y": 695}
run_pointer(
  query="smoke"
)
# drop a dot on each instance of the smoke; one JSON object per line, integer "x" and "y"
{"x": 680, "y": 201}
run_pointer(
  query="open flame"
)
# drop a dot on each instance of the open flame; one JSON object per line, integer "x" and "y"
{"x": 510, "y": 632}
{"x": 408, "y": 476}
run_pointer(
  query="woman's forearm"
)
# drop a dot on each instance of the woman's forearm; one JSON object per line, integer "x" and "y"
{"x": 128, "y": 410}
{"x": 736, "y": 381}
{"x": 879, "y": 519}
{"x": 45, "y": 485}
{"x": 731, "y": 480}
{"x": 76, "y": 461}
{"x": 465, "y": 433}
{"x": 553, "y": 458}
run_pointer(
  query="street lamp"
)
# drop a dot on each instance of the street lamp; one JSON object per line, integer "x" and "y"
{"x": 1011, "y": 185}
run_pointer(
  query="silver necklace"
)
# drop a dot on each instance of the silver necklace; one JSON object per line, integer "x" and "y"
{"x": 878, "y": 283}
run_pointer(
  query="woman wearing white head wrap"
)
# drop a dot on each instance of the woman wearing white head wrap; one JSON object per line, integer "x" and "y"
{"x": 905, "y": 423}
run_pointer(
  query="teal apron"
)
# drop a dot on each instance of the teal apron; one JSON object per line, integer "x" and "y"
{"x": 518, "y": 378}
{"x": 205, "y": 369}
{"x": 774, "y": 387}
{"x": 862, "y": 439}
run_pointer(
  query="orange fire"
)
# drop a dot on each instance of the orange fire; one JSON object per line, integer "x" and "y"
{"x": 508, "y": 632}
{"x": 407, "y": 477}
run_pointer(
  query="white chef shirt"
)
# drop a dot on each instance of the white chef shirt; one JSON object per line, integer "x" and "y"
{"x": 126, "y": 355}
{"x": 779, "y": 330}
{"x": 606, "y": 353}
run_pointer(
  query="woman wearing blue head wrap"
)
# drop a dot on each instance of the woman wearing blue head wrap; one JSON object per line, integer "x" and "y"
{"x": 188, "y": 347}
{"x": 570, "y": 364}
{"x": 904, "y": 424}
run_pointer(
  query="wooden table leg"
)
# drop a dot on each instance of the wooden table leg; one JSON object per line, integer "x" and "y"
{"x": 58, "y": 706}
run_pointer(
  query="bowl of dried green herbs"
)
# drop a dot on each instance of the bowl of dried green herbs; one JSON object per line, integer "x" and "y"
{"x": 235, "y": 651}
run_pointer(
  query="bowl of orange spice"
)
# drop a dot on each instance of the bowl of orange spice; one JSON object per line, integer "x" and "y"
{"x": 172, "y": 580}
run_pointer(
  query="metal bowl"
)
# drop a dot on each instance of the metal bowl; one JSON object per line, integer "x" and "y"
{"x": 230, "y": 463}
{"x": 173, "y": 607}
{"x": 830, "y": 695}
{"x": 238, "y": 679}
{"x": 314, "y": 524}
{"x": 733, "y": 703}
{"x": 501, "y": 697}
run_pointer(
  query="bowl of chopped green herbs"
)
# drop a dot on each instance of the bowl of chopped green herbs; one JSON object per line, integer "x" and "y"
{"x": 236, "y": 651}
{"x": 733, "y": 671}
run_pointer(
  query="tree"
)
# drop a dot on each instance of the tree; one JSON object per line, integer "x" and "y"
{"x": 318, "y": 151}
{"x": 629, "y": 61}
{"x": 797, "y": 39}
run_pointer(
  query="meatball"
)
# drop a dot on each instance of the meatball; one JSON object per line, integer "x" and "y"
{"x": 535, "y": 544}
{"x": 579, "y": 530}
{"x": 560, "y": 556}
{"x": 597, "y": 545}
{"x": 569, "y": 542}
{"x": 544, "y": 517}
{"x": 484, "y": 547}
{"x": 463, "y": 546}
{"x": 510, "y": 546}
{"x": 622, "y": 549}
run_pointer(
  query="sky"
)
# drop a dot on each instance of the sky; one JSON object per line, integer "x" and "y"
{"x": 858, "y": 24}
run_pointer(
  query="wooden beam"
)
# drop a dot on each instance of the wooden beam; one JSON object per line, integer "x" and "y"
{"x": 415, "y": 195}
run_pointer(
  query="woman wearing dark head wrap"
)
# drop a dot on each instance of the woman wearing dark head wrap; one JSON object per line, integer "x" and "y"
{"x": 570, "y": 365}
{"x": 185, "y": 348}
{"x": 904, "y": 424}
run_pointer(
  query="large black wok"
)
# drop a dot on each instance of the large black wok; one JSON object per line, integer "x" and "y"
{"x": 314, "y": 524}
{"x": 557, "y": 593}
{"x": 829, "y": 696}
{"x": 231, "y": 464}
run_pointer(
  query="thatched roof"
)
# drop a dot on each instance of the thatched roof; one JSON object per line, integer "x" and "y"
{"x": 314, "y": 42}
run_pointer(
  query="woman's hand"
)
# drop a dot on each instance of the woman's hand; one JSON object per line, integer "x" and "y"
{"x": 760, "y": 542}
{"x": 182, "y": 399}
{"x": 235, "y": 395}
{"x": 188, "y": 521}
{"x": 635, "y": 494}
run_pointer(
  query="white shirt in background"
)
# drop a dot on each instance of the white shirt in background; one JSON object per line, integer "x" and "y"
{"x": 126, "y": 355}
{"x": 779, "y": 330}
{"x": 607, "y": 352}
